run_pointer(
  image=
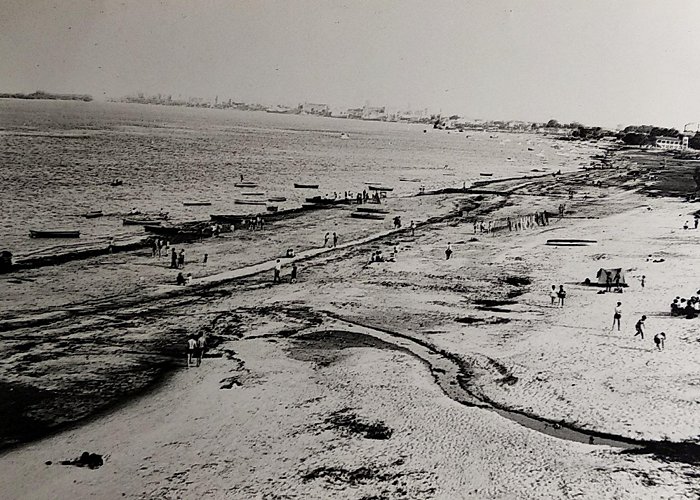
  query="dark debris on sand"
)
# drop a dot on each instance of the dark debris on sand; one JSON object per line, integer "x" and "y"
{"x": 350, "y": 424}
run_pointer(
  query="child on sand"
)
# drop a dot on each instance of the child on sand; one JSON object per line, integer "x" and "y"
{"x": 448, "y": 251}
{"x": 191, "y": 348}
{"x": 562, "y": 295}
{"x": 553, "y": 294}
{"x": 659, "y": 339}
{"x": 639, "y": 327}
{"x": 617, "y": 316}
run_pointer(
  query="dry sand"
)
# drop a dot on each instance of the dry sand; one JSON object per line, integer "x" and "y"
{"x": 278, "y": 417}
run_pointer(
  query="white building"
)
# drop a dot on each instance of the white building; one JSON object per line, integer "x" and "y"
{"x": 678, "y": 143}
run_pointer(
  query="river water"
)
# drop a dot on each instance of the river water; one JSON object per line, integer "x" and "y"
{"x": 57, "y": 159}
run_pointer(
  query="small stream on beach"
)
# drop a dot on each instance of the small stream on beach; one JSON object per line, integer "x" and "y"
{"x": 453, "y": 378}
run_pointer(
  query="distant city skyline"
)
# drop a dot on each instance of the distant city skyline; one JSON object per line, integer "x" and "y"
{"x": 594, "y": 62}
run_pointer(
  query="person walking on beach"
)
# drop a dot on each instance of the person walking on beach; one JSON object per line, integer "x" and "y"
{"x": 659, "y": 340}
{"x": 413, "y": 228}
{"x": 191, "y": 349}
{"x": 553, "y": 294}
{"x": 448, "y": 251}
{"x": 278, "y": 271}
{"x": 639, "y": 327}
{"x": 154, "y": 248}
{"x": 201, "y": 345}
{"x": 325, "y": 239}
{"x": 159, "y": 243}
{"x": 562, "y": 295}
{"x": 608, "y": 282}
{"x": 335, "y": 239}
{"x": 643, "y": 282}
{"x": 181, "y": 259}
{"x": 173, "y": 259}
{"x": 293, "y": 277}
{"x": 617, "y": 316}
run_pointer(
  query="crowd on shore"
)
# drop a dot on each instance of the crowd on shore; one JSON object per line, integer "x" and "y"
{"x": 518, "y": 223}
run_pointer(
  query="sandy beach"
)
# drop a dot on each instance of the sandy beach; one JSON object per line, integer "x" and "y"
{"x": 327, "y": 388}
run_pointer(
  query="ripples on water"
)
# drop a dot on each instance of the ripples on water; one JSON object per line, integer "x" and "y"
{"x": 57, "y": 160}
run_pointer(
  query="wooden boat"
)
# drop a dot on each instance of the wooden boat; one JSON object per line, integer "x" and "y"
{"x": 484, "y": 174}
{"x": 245, "y": 184}
{"x": 172, "y": 231}
{"x": 141, "y": 222}
{"x": 405, "y": 179}
{"x": 196, "y": 203}
{"x": 251, "y": 193}
{"x": 94, "y": 214}
{"x": 54, "y": 234}
{"x": 277, "y": 198}
{"x": 366, "y": 215}
{"x": 372, "y": 210}
{"x": 272, "y": 208}
{"x": 380, "y": 188}
{"x": 562, "y": 242}
{"x": 249, "y": 202}
{"x": 299, "y": 185}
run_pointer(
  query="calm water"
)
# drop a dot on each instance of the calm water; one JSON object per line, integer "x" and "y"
{"x": 57, "y": 160}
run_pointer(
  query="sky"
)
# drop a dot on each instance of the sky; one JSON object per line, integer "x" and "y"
{"x": 598, "y": 62}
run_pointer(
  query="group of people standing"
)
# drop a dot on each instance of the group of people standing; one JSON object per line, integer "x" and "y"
{"x": 519, "y": 223}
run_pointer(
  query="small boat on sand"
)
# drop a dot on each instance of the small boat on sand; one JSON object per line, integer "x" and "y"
{"x": 406, "y": 179}
{"x": 366, "y": 215}
{"x": 252, "y": 193}
{"x": 93, "y": 214}
{"x": 272, "y": 208}
{"x": 249, "y": 202}
{"x": 485, "y": 174}
{"x": 299, "y": 185}
{"x": 567, "y": 242}
{"x": 373, "y": 210}
{"x": 380, "y": 188}
{"x": 141, "y": 222}
{"x": 196, "y": 203}
{"x": 277, "y": 198}
{"x": 54, "y": 234}
{"x": 245, "y": 184}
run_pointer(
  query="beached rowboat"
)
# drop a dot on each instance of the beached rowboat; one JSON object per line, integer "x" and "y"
{"x": 367, "y": 215}
{"x": 94, "y": 214}
{"x": 405, "y": 179}
{"x": 196, "y": 203}
{"x": 305, "y": 186}
{"x": 251, "y": 193}
{"x": 245, "y": 184}
{"x": 54, "y": 234}
{"x": 484, "y": 174}
{"x": 277, "y": 198}
{"x": 249, "y": 202}
{"x": 380, "y": 188}
{"x": 372, "y": 210}
{"x": 141, "y": 222}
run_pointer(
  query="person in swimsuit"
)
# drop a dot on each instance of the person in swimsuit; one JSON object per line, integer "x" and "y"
{"x": 617, "y": 316}
{"x": 639, "y": 327}
{"x": 191, "y": 349}
{"x": 659, "y": 339}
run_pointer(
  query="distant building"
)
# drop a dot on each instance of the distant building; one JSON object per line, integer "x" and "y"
{"x": 355, "y": 113}
{"x": 373, "y": 113}
{"x": 678, "y": 143}
{"x": 315, "y": 109}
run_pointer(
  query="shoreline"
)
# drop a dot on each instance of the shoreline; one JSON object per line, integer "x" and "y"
{"x": 323, "y": 265}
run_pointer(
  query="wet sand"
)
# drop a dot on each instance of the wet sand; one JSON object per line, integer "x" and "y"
{"x": 272, "y": 410}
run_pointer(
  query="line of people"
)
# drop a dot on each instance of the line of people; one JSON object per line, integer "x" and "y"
{"x": 518, "y": 223}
